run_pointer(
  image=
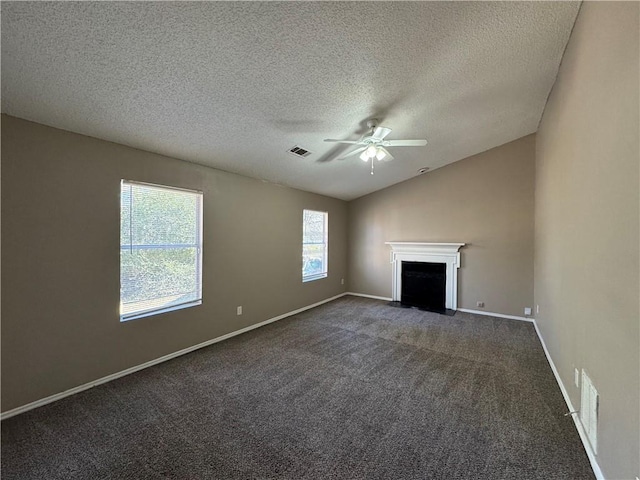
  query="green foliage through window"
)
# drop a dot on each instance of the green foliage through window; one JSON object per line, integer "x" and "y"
{"x": 314, "y": 244}
{"x": 160, "y": 248}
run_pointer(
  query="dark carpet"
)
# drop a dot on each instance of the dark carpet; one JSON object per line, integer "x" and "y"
{"x": 353, "y": 389}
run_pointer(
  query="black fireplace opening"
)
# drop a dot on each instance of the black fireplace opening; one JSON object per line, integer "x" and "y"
{"x": 424, "y": 285}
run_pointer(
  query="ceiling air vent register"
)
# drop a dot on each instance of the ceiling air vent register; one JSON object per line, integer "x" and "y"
{"x": 299, "y": 151}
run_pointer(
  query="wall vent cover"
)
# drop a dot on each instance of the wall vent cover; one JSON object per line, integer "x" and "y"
{"x": 589, "y": 410}
{"x": 299, "y": 151}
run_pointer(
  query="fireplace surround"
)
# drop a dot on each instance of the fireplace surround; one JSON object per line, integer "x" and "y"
{"x": 445, "y": 253}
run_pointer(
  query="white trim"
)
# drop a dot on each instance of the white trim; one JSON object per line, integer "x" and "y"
{"x": 426, "y": 246}
{"x": 375, "y": 297}
{"x": 581, "y": 431}
{"x": 58, "y": 396}
{"x": 446, "y": 253}
{"x": 159, "y": 311}
{"x": 499, "y": 315}
{"x": 311, "y": 278}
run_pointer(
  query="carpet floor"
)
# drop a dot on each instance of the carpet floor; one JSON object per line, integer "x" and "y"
{"x": 353, "y": 389}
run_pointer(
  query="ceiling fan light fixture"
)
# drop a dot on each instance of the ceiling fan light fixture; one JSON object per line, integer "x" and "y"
{"x": 372, "y": 145}
{"x": 371, "y": 152}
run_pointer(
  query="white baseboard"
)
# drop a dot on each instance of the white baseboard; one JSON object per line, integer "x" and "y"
{"x": 375, "y": 297}
{"x": 499, "y": 315}
{"x": 576, "y": 419}
{"x": 477, "y": 312}
{"x": 58, "y": 396}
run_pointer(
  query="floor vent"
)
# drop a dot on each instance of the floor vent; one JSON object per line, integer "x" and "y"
{"x": 589, "y": 410}
{"x": 299, "y": 151}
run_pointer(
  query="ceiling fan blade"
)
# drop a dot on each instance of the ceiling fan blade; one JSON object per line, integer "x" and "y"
{"x": 380, "y": 132}
{"x": 387, "y": 156}
{"x": 405, "y": 143}
{"x": 354, "y": 152}
{"x": 351, "y": 142}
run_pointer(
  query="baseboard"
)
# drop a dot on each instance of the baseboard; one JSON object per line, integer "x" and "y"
{"x": 375, "y": 297}
{"x": 576, "y": 418}
{"x": 499, "y": 315}
{"x": 466, "y": 310}
{"x": 58, "y": 396}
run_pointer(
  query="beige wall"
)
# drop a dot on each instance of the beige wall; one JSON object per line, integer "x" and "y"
{"x": 485, "y": 201}
{"x": 587, "y": 216}
{"x": 60, "y": 220}
{"x": 60, "y": 258}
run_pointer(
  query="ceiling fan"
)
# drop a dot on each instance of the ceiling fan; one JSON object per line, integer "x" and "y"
{"x": 372, "y": 145}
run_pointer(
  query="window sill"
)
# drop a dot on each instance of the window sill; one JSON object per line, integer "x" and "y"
{"x": 136, "y": 316}
{"x": 311, "y": 278}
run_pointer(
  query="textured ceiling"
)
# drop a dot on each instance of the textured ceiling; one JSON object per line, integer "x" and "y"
{"x": 234, "y": 85}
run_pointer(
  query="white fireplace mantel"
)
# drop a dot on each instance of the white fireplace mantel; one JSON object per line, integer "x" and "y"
{"x": 447, "y": 253}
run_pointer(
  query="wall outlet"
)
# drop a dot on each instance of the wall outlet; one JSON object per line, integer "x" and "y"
{"x": 342, "y": 281}
{"x": 576, "y": 377}
{"x": 527, "y": 310}
{"x": 480, "y": 304}
{"x": 537, "y": 309}
{"x": 239, "y": 310}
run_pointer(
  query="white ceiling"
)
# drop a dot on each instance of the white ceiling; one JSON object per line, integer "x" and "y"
{"x": 234, "y": 85}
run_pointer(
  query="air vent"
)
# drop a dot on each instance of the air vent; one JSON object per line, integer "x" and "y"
{"x": 589, "y": 410}
{"x": 299, "y": 151}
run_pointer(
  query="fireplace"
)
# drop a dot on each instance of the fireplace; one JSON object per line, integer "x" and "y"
{"x": 445, "y": 255}
{"x": 424, "y": 285}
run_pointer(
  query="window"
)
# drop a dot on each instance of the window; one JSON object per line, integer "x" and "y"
{"x": 160, "y": 249}
{"x": 314, "y": 245}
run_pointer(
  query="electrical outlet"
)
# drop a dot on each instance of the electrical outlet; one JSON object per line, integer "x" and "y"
{"x": 480, "y": 304}
{"x": 576, "y": 377}
{"x": 239, "y": 310}
{"x": 527, "y": 310}
{"x": 537, "y": 309}
{"x": 342, "y": 282}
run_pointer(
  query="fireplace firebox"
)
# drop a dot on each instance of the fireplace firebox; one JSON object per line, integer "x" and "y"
{"x": 424, "y": 285}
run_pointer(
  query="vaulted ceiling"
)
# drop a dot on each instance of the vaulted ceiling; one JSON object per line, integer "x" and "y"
{"x": 234, "y": 85}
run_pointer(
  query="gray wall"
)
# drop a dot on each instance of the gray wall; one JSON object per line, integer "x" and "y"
{"x": 485, "y": 201}
{"x": 587, "y": 216}
{"x": 60, "y": 258}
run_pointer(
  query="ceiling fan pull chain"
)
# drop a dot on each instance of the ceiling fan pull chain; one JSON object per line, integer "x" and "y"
{"x": 371, "y": 165}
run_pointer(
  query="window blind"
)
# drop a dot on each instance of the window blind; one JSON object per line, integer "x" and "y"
{"x": 160, "y": 249}
{"x": 314, "y": 245}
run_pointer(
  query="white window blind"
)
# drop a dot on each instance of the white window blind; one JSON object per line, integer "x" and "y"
{"x": 314, "y": 245}
{"x": 160, "y": 249}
